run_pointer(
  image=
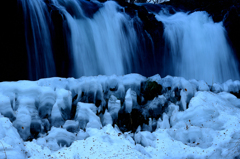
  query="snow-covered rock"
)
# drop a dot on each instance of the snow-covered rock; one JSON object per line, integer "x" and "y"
{"x": 56, "y": 117}
{"x": 73, "y": 118}
{"x": 128, "y": 101}
{"x": 71, "y": 126}
{"x": 107, "y": 119}
{"x": 114, "y": 106}
{"x": 86, "y": 116}
{"x": 156, "y": 106}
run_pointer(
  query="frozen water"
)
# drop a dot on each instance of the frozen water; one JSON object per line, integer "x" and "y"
{"x": 208, "y": 127}
{"x": 86, "y": 116}
{"x": 128, "y": 101}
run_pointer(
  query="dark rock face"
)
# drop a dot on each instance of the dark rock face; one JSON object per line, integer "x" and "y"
{"x": 150, "y": 89}
{"x": 59, "y": 32}
{"x": 13, "y": 61}
{"x": 232, "y": 25}
{"x": 35, "y": 128}
{"x": 130, "y": 121}
{"x": 237, "y": 94}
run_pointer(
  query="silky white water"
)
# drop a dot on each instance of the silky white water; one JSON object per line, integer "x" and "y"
{"x": 101, "y": 45}
{"x": 101, "y": 39}
{"x": 198, "y": 47}
{"x": 38, "y": 39}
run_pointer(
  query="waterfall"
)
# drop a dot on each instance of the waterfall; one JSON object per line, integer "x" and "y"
{"x": 102, "y": 44}
{"x": 38, "y": 39}
{"x": 85, "y": 38}
{"x": 197, "y": 47}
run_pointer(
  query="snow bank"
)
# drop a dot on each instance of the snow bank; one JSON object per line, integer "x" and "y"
{"x": 119, "y": 116}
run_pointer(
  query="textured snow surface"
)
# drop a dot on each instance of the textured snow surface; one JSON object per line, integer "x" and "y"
{"x": 36, "y": 119}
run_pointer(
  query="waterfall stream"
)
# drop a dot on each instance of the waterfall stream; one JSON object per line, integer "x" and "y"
{"x": 101, "y": 38}
{"x": 198, "y": 47}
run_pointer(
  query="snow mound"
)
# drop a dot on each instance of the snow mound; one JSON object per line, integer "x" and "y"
{"x": 128, "y": 116}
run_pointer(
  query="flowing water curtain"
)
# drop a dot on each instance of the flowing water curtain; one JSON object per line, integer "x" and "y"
{"x": 102, "y": 44}
{"x": 38, "y": 39}
{"x": 198, "y": 47}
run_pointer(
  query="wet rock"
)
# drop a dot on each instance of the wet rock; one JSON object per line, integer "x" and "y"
{"x": 130, "y": 122}
{"x": 150, "y": 89}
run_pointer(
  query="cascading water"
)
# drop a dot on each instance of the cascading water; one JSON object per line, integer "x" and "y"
{"x": 104, "y": 38}
{"x": 198, "y": 47}
{"x": 38, "y": 39}
{"x": 103, "y": 44}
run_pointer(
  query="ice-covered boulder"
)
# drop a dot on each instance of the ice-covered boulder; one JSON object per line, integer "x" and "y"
{"x": 150, "y": 89}
{"x": 113, "y": 83}
{"x": 46, "y": 125}
{"x": 56, "y": 116}
{"x": 82, "y": 135}
{"x": 148, "y": 126}
{"x": 86, "y": 116}
{"x": 166, "y": 82}
{"x": 64, "y": 102}
{"x": 216, "y": 88}
{"x": 114, "y": 86}
{"x": 46, "y": 100}
{"x": 133, "y": 81}
{"x": 114, "y": 106}
{"x": 71, "y": 126}
{"x": 186, "y": 91}
{"x": 164, "y": 123}
{"x": 106, "y": 119}
{"x": 145, "y": 138}
{"x": 156, "y": 106}
{"x": 131, "y": 121}
{"x": 232, "y": 87}
{"x": 23, "y": 122}
{"x": 89, "y": 91}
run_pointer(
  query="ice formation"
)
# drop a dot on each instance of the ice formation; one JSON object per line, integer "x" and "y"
{"x": 111, "y": 116}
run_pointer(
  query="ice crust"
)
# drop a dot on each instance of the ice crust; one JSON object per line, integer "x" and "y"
{"x": 77, "y": 118}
